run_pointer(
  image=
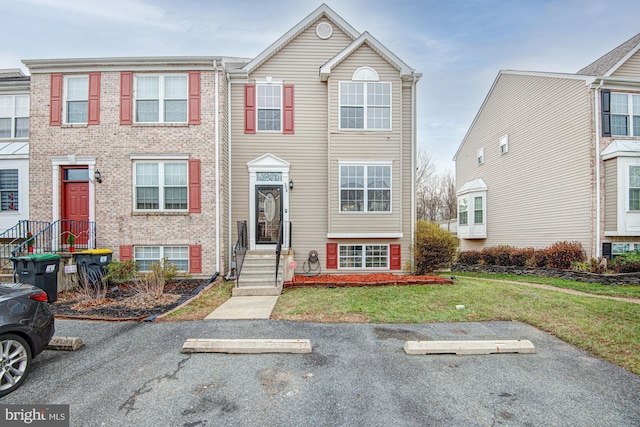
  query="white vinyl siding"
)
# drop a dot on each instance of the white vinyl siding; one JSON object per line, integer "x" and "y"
{"x": 14, "y": 116}
{"x": 161, "y": 99}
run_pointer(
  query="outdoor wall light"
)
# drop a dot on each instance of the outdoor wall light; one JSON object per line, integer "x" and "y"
{"x": 98, "y": 176}
{"x": 290, "y": 184}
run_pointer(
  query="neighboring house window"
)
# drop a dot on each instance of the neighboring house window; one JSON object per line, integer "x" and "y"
{"x": 623, "y": 248}
{"x": 365, "y": 105}
{"x": 161, "y": 186}
{"x": 14, "y": 116}
{"x": 76, "y": 97}
{"x": 625, "y": 114}
{"x": 365, "y": 188}
{"x": 8, "y": 190}
{"x": 145, "y": 256}
{"x": 634, "y": 188}
{"x": 364, "y": 256}
{"x": 269, "y": 99}
{"x": 480, "y": 156}
{"x": 478, "y": 212}
{"x": 504, "y": 144}
{"x": 161, "y": 98}
{"x": 463, "y": 212}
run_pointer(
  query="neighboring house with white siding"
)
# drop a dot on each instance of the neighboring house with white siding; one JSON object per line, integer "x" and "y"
{"x": 167, "y": 154}
{"x": 323, "y": 138}
{"x": 555, "y": 157}
{"x": 14, "y": 148}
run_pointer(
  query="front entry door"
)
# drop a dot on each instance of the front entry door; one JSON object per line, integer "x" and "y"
{"x": 75, "y": 203}
{"x": 268, "y": 213}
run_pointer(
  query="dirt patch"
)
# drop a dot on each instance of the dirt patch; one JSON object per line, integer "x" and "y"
{"x": 123, "y": 303}
{"x": 399, "y": 334}
{"x": 350, "y": 280}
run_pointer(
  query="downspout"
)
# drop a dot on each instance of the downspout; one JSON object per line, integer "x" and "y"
{"x": 229, "y": 225}
{"x": 413, "y": 159}
{"x": 598, "y": 178}
{"x": 217, "y": 168}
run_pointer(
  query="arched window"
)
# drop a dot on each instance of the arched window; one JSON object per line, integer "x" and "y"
{"x": 366, "y": 74}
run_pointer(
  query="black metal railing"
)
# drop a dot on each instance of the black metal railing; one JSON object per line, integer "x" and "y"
{"x": 20, "y": 233}
{"x": 240, "y": 249}
{"x": 64, "y": 235}
{"x": 279, "y": 249}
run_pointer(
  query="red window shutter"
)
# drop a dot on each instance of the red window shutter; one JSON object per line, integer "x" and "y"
{"x": 332, "y": 255}
{"x": 126, "y": 252}
{"x": 250, "y": 109}
{"x": 195, "y": 205}
{"x": 394, "y": 257}
{"x": 55, "y": 102}
{"x": 195, "y": 259}
{"x": 194, "y": 97}
{"x": 94, "y": 98}
{"x": 288, "y": 109}
{"x": 126, "y": 97}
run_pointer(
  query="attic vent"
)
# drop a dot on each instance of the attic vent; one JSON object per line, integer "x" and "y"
{"x": 324, "y": 30}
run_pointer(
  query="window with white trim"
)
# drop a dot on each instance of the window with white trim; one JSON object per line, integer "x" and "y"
{"x": 634, "y": 188}
{"x": 480, "y": 156}
{"x": 269, "y": 106}
{"x": 625, "y": 114}
{"x": 160, "y": 185}
{"x": 14, "y": 116}
{"x": 363, "y": 256}
{"x": 504, "y": 144}
{"x": 365, "y": 105}
{"x": 8, "y": 190}
{"x": 76, "y": 99}
{"x": 161, "y": 98}
{"x": 365, "y": 188}
{"x": 478, "y": 210}
{"x": 463, "y": 211}
{"x": 145, "y": 256}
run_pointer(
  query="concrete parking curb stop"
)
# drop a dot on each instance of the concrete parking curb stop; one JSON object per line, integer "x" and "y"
{"x": 469, "y": 347}
{"x": 246, "y": 346}
{"x": 65, "y": 343}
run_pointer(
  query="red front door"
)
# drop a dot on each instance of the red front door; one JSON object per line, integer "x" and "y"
{"x": 75, "y": 204}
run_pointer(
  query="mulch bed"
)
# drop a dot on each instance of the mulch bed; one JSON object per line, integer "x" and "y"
{"x": 123, "y": 303}
{"x": 353, "y": 280}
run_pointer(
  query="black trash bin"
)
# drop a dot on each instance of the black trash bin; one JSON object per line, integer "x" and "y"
{"x": 92, "y": 264}
{"x": 40, "y": 270}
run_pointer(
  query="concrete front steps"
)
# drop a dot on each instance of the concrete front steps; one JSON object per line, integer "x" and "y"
{"x": 258, "y": 274}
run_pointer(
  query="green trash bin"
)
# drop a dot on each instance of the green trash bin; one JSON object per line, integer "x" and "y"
{"x": 92, "y": 264}
{"x": 40, "y": 270}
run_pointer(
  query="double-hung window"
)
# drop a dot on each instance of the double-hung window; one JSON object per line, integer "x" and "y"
{"x": 145, "y": 256}
{"x": 14, "y": 116}
{"x": 8, "y": 190}
{"x": 463, "y": 211}
{"x": 269, "y": 100}
{"x": 76, "y": 94}
{"x": 161, "y": 98}
{"x": 478, "y": 211}
{"x": 365, "y": 188}
{"x": 161, "y": 186}
{"x": 634, "y": 188}
{"x": 365, "y": 105}
{"x": 364, "y": 256}
{"x": 625, "y": 114}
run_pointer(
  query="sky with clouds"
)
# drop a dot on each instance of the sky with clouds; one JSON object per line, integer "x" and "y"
{"x": 458, "y": 45}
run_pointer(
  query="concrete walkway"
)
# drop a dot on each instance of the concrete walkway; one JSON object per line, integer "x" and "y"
{"x": 245, "y": 308}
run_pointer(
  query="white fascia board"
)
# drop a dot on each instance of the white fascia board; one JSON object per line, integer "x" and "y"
{"x": 157, "y": 63}
{"x": 378, "y": 47}
{"x": 365, "y": 235}
{"x": 623, "y": 60}
{"x": 323, "y": 10}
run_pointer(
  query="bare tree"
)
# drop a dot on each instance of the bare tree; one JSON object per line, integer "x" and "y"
{"x": 435, "y": 194}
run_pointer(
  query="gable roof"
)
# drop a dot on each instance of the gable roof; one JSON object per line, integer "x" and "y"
{"x": 611, "y": 61}
{"x": 322, "y": 11}
{"x": 369, "y": 40}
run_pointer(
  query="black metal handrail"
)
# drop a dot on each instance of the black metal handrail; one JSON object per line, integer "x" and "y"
{"x": 279, "y": 249}
{"x": 20, "y": 233}
{"x": 240, "y": 249}
{"x": 56, "y": 238}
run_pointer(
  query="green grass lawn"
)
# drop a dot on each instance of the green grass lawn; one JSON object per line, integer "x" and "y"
{"x": 605, "y": 328}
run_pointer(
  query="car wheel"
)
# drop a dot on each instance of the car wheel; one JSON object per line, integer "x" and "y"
{"x": 15, "y": 360}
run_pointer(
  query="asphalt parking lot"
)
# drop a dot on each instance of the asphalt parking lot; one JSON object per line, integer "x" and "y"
{"x": 133, "y": 374}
